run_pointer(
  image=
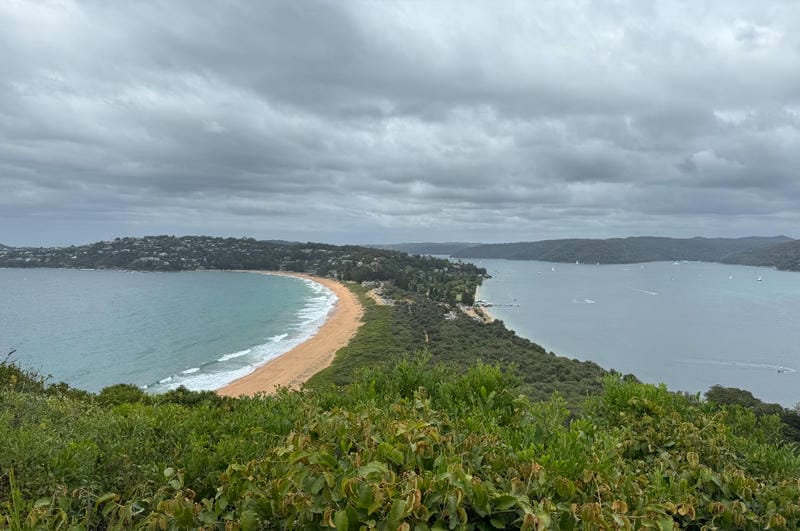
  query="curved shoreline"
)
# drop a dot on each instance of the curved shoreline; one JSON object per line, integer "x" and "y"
{"x": 291, "y": 369}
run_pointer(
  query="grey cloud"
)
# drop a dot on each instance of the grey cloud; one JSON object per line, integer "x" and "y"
{"x": 366, "y": 121}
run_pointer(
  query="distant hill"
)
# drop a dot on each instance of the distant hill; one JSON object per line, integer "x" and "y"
{"x": 627, "y": 250}
{"x": 784, "y": 256}
{"x": 441, "y": 280}
{"x": 426, "y": 247}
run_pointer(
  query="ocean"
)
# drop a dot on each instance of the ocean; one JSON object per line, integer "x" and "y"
{"x": 689, "y": 325}
{"x": 158, "y": 331}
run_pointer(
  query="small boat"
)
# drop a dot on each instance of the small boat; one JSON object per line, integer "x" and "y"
{"x": 759, "y": 279}
{"x": 553, "y": 269}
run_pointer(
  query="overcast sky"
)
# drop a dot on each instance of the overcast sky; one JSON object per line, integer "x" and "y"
{"x": 357, "y": 122}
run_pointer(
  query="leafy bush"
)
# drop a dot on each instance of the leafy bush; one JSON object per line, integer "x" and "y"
{"x": 408, "y": 445}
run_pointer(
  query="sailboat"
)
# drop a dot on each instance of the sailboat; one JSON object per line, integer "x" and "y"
{"x": 759, "y": 279}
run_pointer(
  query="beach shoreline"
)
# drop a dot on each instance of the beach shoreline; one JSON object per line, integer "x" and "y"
{"x": 294, "y": 367}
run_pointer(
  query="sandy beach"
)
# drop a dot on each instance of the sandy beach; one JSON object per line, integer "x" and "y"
{"x": 298, "y": 365}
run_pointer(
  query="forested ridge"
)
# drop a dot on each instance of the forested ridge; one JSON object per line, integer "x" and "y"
{"x": 627, "y": 250}
{"x": 784, "y": 256}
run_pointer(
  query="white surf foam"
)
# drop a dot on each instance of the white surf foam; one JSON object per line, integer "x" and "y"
{"x": 231, "y": 367}
{"x": 235, "y": 355}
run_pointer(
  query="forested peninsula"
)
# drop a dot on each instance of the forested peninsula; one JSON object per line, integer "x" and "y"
{"x": 431, "y": 418}
{"x": 778, "y": 251}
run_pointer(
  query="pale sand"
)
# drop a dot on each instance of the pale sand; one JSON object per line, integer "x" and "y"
{"x": 299, "y": 364}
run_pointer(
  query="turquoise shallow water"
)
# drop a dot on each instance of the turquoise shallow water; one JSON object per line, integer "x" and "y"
{"x": 155, "y": 330}
{"x": 689, "y": 325}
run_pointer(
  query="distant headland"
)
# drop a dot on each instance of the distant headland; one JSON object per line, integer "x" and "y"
{"x": 780, "y": 252}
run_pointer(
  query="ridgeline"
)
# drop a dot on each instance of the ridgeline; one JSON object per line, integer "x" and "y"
{"x": 638, "y": 249}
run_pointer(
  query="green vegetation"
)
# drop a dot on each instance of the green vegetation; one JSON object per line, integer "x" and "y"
{"x": 439, "y": 279}
{"x": 407, "y": 445}
{"x": 784, "y": 256}
{"x": 731, "y": 396}
{"x": 416, "y": 323}
{"x": 625, "y": 250}
{"x": 448, "y": 248}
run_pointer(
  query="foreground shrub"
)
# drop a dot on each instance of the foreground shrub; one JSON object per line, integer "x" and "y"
{"x": 403, "y": 447}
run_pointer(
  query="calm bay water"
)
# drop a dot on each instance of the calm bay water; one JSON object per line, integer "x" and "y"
{"x": 156, "y": 330}
{"x": 688, "y": 325}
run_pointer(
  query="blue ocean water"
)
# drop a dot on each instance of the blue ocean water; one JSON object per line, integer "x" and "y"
{"x": 689, "y": 325}
{"x": 204, "y": 329}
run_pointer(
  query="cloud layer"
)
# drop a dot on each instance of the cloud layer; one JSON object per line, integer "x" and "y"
{"x": 377, "y": 121}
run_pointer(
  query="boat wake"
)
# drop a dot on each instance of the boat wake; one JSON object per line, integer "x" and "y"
{"x": 743, "y": 365}
{"x": 645, "y": 291}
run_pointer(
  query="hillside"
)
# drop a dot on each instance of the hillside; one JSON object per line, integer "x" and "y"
{"x": 449, "y": 248}
{"x": 415, "y": 323}
{"x": 622, "y": 250}
{"x": 439, "y": 279}
{"x": 784, "y": 256}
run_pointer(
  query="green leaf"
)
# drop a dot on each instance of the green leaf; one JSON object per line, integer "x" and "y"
{"x": 480, "y": 500}
{"x": 396, "y": 512}
{"x": 340, "y": 519}
{"x": 498, "y": 523}
{"x": 365, "y": 496}
{"x": 316, "y": 485}
{"x": 42, "y": 502}
{"x": 504, "y": 502}
{"x": 665, "y": 524}
{"x": 106, "y": 497}
{"x": 249, "y": 520}
{"x": 373, "y": 471}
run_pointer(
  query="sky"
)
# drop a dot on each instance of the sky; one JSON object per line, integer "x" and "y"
{"x": 379, "y": 121}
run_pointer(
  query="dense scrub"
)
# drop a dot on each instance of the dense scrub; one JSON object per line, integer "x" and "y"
{"x": 408, "y": 445}
{"x": 417, "y": 323}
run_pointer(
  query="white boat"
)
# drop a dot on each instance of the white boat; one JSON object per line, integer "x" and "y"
{"x": 759, "y": 279}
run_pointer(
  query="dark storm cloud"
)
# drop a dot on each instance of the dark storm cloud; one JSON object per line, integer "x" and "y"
{"x": 370, "y": 121}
